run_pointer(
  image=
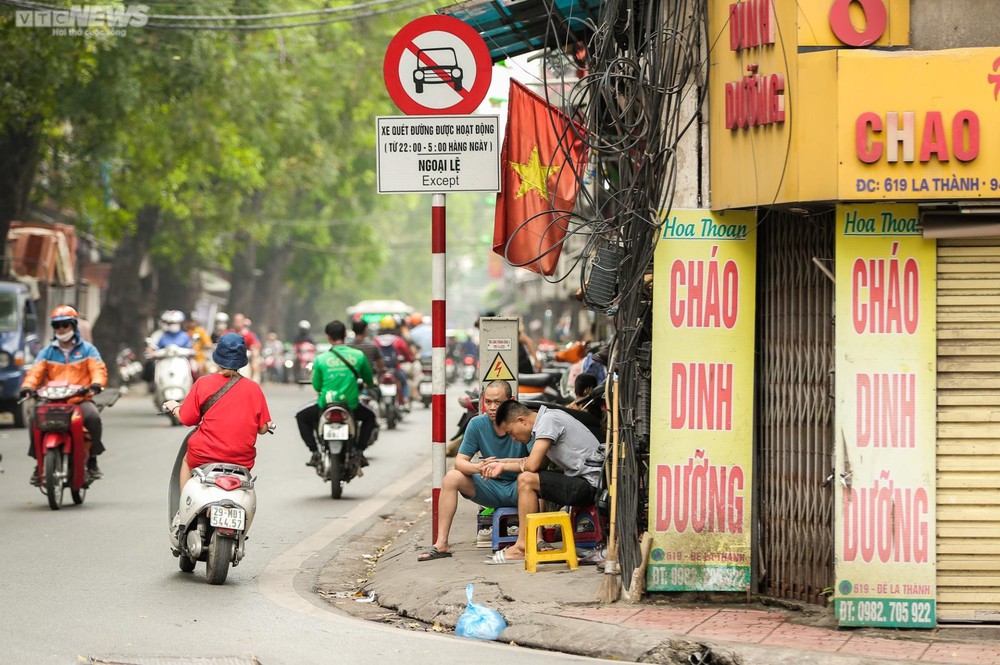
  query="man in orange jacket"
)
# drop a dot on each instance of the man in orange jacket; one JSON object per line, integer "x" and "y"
{"x": 69, "y": 358}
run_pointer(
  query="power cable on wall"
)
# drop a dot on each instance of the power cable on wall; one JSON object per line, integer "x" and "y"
{"x": 641, "y": 60}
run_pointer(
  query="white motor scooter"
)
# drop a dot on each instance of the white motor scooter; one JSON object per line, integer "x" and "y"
{"x": 172, "y": 375}
{"x": 216, "y": 509}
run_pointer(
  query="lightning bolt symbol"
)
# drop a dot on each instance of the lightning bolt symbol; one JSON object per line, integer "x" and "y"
{"x": 496, "y": 368}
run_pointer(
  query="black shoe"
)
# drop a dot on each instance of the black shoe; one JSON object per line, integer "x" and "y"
{"x": 34, "y": 478}
{"x": 362, "y": 460}
{"x": 93, "y": 469}
{"x": 314, "y": 460}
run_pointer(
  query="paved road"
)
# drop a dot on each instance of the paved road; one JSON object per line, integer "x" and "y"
{"x": 98, "y": 580}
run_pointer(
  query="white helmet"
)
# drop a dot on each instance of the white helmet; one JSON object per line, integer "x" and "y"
{"x": 172, "y": 316}
{"x": 304, "y": 325}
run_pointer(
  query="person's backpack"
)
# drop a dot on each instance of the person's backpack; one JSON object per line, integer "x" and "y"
{"x": 386, "y": 344}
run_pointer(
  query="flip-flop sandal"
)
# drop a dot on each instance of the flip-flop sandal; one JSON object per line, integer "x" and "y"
{"x": 500, "y": 558}
{"x": 432, "y": 553}
{"x": 545, "y": 547}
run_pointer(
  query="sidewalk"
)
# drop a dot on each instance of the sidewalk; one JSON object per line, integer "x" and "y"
{"x": 556, "y": 609}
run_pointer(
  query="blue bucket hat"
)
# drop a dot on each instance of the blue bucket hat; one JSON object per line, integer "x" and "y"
{"x": 230, "y": 351}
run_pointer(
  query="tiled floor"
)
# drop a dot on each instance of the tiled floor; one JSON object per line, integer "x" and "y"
{"x": 771, "y": 629}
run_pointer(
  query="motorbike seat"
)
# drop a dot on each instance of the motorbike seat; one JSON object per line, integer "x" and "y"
{"x": 540, "y": 380}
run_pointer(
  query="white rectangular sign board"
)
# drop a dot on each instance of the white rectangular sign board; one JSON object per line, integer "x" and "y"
{"x": 436, "y": 154}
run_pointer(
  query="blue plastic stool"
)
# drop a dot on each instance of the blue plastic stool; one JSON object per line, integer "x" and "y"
{"x": 501, "y": 520}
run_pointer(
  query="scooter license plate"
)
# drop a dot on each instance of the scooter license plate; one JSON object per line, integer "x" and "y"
{"x": 388, "y": 389}
{"x": 426, "y": 388}
{"x": 227, "y": 518}
{"x": 335, "y": 432}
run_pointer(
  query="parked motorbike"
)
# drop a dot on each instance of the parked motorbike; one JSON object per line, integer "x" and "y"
{"x": 470, "y": 409}
{"x": 426, "y": 385}
{"x": 61, "y": 443}
{"x": 470, "y": 365}
{"x": 337, "y": 437}
{"x": 390, "y": 401}
{"x": 211, "y": 516}
{"x": 172, "y": 375}
{"x": 129, "y": 366}
{"x": 546, "y": 386}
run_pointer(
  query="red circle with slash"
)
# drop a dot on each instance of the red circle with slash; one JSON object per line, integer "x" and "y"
{"x": 437, "y": 65}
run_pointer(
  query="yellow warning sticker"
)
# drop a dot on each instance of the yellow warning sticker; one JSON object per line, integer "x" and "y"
{"x": 498, "y": 371}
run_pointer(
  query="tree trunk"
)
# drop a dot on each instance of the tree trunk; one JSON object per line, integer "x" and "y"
{"x": 178, "y": 287}
{"x": 272, "y": 301}
{"x": 128, "y": 303}
{"x": 18, "y": 162}
{"x": 241, "y": 287}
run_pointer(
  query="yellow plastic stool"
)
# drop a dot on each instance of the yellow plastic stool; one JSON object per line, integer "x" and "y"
{"x": 532, "y": 557}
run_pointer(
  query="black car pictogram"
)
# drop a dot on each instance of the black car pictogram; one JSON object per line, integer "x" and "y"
{"x": 437, "y": 65}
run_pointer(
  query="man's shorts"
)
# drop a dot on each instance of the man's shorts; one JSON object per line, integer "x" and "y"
{"x": 565, "y": 490}
{"x": 494, "y": 493}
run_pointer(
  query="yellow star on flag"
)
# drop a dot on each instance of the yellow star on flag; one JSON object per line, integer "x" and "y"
{"x": 534, "y": 175}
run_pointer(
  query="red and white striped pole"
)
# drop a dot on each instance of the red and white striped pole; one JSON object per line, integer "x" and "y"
{"x": 438, "y": 326}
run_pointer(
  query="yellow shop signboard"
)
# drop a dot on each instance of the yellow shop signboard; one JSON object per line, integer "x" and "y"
{"x": 928, "y": 129}
{"x": 885, "y": 449}
{"x": 702, "y": 408}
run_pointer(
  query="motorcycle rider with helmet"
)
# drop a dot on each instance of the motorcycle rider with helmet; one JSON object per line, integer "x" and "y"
{"x": 395, "y": 351}
{"x": 336, "y": 381}
{"x": 303, "y": 335}
{"x": 220, "y": 327}
{"x": 69, "y": 358}
{"x": 171, "y": 332}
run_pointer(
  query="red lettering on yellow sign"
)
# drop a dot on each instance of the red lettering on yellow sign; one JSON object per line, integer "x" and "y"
{"x": 701, "y": 396}
{"x": 896, "y": 137}
{"x": 886, "y": 522}
{"x": 885, "y": 297}
{"x": 876, "y": 21}
{"x": 707, "y": 497}
{"x": 751, "y": 24}
{"x": 886, "y": 414}
{"x": 704, "y": 294}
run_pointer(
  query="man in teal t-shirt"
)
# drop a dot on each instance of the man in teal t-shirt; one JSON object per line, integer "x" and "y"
{"x": 335, "y": 377}
{"x": 481, "y": 436}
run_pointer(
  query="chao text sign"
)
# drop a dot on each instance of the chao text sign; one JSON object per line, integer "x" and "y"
{"x": 438, "y": 154}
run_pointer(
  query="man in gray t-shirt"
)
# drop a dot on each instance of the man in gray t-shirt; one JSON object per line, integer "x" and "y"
{"x": 558, "y": 438}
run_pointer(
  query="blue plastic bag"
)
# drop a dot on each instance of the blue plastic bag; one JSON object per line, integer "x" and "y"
{"x": 478, "y": 621}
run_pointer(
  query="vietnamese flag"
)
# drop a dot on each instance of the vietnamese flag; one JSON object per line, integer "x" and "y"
{"x": 541, "y": 163}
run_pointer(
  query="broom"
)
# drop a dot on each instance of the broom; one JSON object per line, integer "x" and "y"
{"x": 611, "y": 587}
{"x": 638, "y": 585}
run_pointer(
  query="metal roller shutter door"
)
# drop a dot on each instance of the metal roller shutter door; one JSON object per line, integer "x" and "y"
{"x": 968, "y": 430}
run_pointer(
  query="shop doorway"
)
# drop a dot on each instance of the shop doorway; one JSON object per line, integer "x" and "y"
{"x": 794, "y": 435}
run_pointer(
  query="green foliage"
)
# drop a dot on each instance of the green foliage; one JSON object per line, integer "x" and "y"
{"x": 263, "y": 135}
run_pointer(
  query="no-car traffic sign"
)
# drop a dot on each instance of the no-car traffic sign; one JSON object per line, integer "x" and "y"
{"x": 437, "y": 65}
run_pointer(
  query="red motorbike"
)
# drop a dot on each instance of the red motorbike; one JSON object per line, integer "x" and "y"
{"x": 62, "y": 445}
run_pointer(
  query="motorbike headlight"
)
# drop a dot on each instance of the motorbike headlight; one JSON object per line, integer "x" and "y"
{"x": 5, "y": 360}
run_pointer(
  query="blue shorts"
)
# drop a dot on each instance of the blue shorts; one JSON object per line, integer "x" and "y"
{"x": 494, "y": 493}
